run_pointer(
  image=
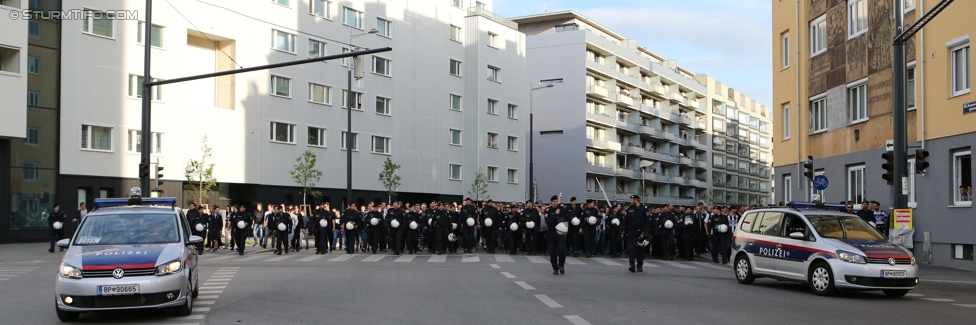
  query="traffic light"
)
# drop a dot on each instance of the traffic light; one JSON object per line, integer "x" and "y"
{"x": 808, "y": 166}
{"x": 920, "y": 163}
{"x": 143, "y": 171}
{"x": 889, "y": 166}
{"x": 159, "y": 176}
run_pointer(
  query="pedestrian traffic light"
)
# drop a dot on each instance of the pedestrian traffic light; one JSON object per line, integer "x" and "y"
{"x": 143, "y": 171}
{"x": 920, "y": 163}
{"x": 808, "y": 166}
{"x": 159, "y": 176}
{"x": 889, "y": 166}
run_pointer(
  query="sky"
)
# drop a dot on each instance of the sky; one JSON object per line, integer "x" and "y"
{"x": 729, "y": 40}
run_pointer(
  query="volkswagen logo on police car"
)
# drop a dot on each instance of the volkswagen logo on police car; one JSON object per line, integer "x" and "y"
{"x": 118, "y": 273}
{"x": 891, "y": 261}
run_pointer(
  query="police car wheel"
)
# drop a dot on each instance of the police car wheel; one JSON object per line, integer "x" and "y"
{"x": 821, "y": 279}
{"x": 186, "y": 308}
{"x": 66, "y": 316}
{"x": 895, "y": 293}
{"x": 743, "y": 270}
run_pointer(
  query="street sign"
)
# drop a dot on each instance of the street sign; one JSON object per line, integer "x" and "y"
{"x": 820, "y": 182}
{"x": 890, "y": 145}
{"x": 904, "y": 186}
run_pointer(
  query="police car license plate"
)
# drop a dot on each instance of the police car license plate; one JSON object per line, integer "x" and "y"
{"x": 115, "y": 290}
{"x": 894, "y": 274}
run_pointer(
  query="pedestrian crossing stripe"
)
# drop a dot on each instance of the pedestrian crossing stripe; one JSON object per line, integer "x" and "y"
{"x": 405, "y": 258}
{"x": 342, "y": 258}
{"x": 537, "y": 259}
{"x": 606, "y": 261}
{"x": 678, "y": 265}
{"x": 470, "y": 259}
{"x": 574, "y": 261}
{"x": 310, "y": 258}
{"x": 504, "y": 259}
{"x": 437, "y": 259}
{"x": 279, "y": 258}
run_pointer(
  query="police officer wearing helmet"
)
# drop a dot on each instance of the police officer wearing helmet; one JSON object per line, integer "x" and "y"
{"x": 374, "y": 219}
{"x": 281, "y": 221}
{"x": 351, "y": 217}
{"x": 574, "y": 238}
{"x": 412, "y": 224}
{"x": 197, "y": 220}
{"x": 442, "y": 228}
{"x": 531, "y": 223}
{"x": 239, "y": 219}
{"x": 56, "y": 222}
{"x": 558, "y": 221}
{"x": 513, "y": 227}
{"x": 614, "y": 221}
{"x": 720, "y": 234}
{"x": 490, "y": 219}
{"x": 395, "y": 217}
{"x": 636, "y": 227}
{"x": 468, "y": 212}
{"x": 591, "y": 220}
{"x": 665, "y": 234}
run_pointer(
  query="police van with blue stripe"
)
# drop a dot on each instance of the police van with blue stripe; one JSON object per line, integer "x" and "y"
{"x": 823, "y": 247}
{"x": 128, "y": 254}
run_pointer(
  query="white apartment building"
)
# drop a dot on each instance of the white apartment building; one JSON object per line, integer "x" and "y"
{"x": 444, "y": 104}
{"x": 15, "y": 66}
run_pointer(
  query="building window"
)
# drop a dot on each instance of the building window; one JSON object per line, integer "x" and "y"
{"x": 381, "y": 145}
{"x": 321, "y": 8}
{"x": 959, "y": 251}
{"x": 513, "y": 176}
{"x": 282, "y": 132}
{"x": 319, "y": 94}
{"x": 455, "y": 171}
{"x": 31, "y": 172}
{"x": 33, "y": 29}
{"x": 316, "y": 48}
{"x": 455, "y": 68}
{"x": 98, "y": 23}
{"x": 718, "y": 161}
{"x": 786, "y": 122}
{"x": 492, "y": 39}
{"x": 455, "y": 137}
{"x": 382, "y": 105}
{"x": 455, "y": 102}
{"x": 282, "y": 2}
{"x": 352, "y": 17}
{"x": 786, "y": 51}
{"x": 494, "y": 74}
{"x": 357, "y": 101}
{"x": 157, "y": 34}
{"x": 316, "y": 137}
{"x": 135, "y": 88}
{"x": 33, "y": 98}
{"x": 513, "y": 111}
{"x": 280, "y": 86}
{"x": 818, "y": 35}
{"x": 381, "y": 66}
{"x": 96, "y": 137}
{"x": 348, "y": 61}
{"x": 787, "y": 188}
{"x": 962, "y": 178}
{"x": 512, "y": 143}
{"x": 134, "y": 144}
{"x": 857, "y": 101}
{"x": 282, "y": 41}
{"x": 857, "y": 17}
{"x": 910, "y": 86}
{"x": 492, "y": 107}
{"x": 33, "y": 65}
{"x": 492, "y": 140}
{"x": 33, "y": 137}
{"x": 383, "y": 27}
{"x": 456, "y": 3}
{"x": 909, "y": 5}
{"x": 492, "y": 174}
{"x": 818, "y": 115}
{"x": 855, "y": 183}
{"x": 354, "y": 139}
{"x": 960, "y": 69}
{"x": 455, "y": 33}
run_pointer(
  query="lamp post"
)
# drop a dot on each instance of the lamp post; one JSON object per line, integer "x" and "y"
{"x": 548, "y": 83}
{"x": 350, "y": 99}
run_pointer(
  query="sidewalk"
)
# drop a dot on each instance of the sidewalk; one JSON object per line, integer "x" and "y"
{"x": 934, "y": 273}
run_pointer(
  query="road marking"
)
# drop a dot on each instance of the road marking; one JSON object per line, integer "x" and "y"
{"x": 470, "y": 259}
{"x": 437, "y": 259}
{"x": 576, "y": 320}
{"x": 310, "y": 258}
{"x": 966, "y": 305}
{"x": 212, "y": 288}
{"x": 606, "y": 261}
{"x": 230, "y": 273}
{"x": 192, "y": 317}
{"x": 202, "y": 310}
{"x": 495, "y": 266}
{"x": 245, "y": 259}
{"x": 950, "y": 281}
{"x": 373, "y": 258}
{"x": 509, "y": 275}
{"x": 204, "y": 302}
{"x": 212, "y": 283}
{"x": 405, "y": 258}
{"x": 574, "y": 261}
{"x": 206, "y": 297}
{"x": 504, "y": 259}
{"x": 717, "y": 267}
{"x": 342, "y": 258}
{"x": 548, "y": 301}
{"x": 914, "y": 295}
{"x": 279, "y": 258}
{"x": 939, "y": 299}
{"x": 524, "y": 285}
{"x": 210, "y": 292}
{"x": 537, "y": 259}
{"x": 678, "y": 265}
{"x": 220, "y": 258}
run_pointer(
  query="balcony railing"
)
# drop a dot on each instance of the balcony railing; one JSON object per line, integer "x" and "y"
{"x": 597, "y": 90}
{"x": 599, "y": 169}
{"x": 479, "y": 11}
{"x": 625, "y": 172}
{"x": 625, "y": 100}
{"x": 634, "y": 150}
{"x": 668, "y": 135}
{"x": 627, "y": 125}
{"x": 596, "y": 143}
{"x": 602, "y": 118}
{"x": 685, "y": 161}
{"x": 650, "y": 131}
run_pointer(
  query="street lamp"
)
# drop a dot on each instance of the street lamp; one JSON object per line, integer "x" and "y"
{"x": 548, "y": 83}
{"x": 350, "y": 98}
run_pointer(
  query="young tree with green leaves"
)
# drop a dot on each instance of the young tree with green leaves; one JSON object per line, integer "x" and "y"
{"x": 305, "y": 175}
{"x": 389, "y": 178}
{"x": 199, "y": 174}
{"x": 479, "y": 188}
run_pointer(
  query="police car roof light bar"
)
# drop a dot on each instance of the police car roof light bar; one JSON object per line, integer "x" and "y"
{"x": 121, "y": 202}
{"x": 813, "y": 205}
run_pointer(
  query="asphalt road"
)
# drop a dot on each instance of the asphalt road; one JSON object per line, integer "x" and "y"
{"x": 336, "y": 288}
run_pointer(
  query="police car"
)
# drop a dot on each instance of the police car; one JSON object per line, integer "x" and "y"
{"x": 127, "y": 254}
{"x": 820, "y": 246}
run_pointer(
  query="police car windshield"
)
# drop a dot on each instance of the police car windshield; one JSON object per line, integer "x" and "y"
{"x": 843, "y": 227}
{"x": 128, "y": 229}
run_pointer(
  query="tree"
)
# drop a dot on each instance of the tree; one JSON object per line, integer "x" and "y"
{"x": 389, "y": 178}
{"x": 479, "y": 188}
{"x": 642, "y": 191}
{"x": 199, "y": 174}
{"x": 305, "y": 175}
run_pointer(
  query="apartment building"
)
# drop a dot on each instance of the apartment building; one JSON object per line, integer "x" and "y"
{"x": 832, "y": 77}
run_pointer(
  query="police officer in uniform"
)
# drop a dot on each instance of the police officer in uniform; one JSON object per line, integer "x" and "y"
{"x": 215, "y": 226}
{"x": 720, "y": 241}
{"x": 615, "y": 220}
{"x": 555, "y": 215}
{"x": 689, "y": 235}
{"x": 530, "y": 214}
{"x": 280, "y": 218}
{"x": 196, "y": 218}
{"x": 489, "y": 233}
{"x": 514, "y": 237}
{"x": 636, "y": 227}
{"x": 589, "y": 230}
{"x": 373, "y": 231}
{"x": 396, "y": 233}
{"x": 442, "y": 226}
{"x": 412, "y": 235}
{"x": 351, "y": 215}
{"x": 56, "y": 234}
{"x": 573, "y": 238}
{"x": 454, "y": 215}
{"x": 429, "y": 226}
{"x": 665, "y": 235}
{"x": 469, "y": 211}
{"x": 241, "y": 236}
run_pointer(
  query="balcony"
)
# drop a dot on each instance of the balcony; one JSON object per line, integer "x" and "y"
{"x": 702, "y": 107}
{"x": 656, "y": 156}
{"x": 683, "y": 119}
{"x": 627, "y": 126}
{"x": 597, "y": 91}
{"x": 700, "y": 144}
{"x": 668, "y": 135}
{"x": 701, "y": 164}
{"x": 676, "y": 97}
{"x": 681, "y": 141}
{"x": 596, "y": 143}
{"x": 658, "y": 90}
{"x": 613, "y": 145}
{"x": 652, "y": 132}
{"x": 634, "y": 150}
{"x": 686, "y": 161}
{"x": 479, "y": 11}
{"x": 679, "y": 180}
{"x": 599, "y": 169}
{"x": 625, "y": 100}
{"x": 601, "y": 118}
{"x": 650, "y": 109}
{"x": 625, "y": 172}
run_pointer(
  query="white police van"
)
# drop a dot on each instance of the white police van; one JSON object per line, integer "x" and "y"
{"x": 128, "y": 254}
{"x": 823, "y": 247}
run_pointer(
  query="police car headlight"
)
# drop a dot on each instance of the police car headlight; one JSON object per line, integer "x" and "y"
{"x": 851, "y": 257}
{"x": 69, "y": 271}
{"x": 913, "y": 260}
{"x": 169, "y": 268}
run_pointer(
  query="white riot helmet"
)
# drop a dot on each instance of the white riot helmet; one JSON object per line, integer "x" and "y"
{"x": 530, "y": 224}
{"x": 350, "y": 225}
{"x": 562, "y": 229}
{"x": 323, "y": 223}
{"x": 470, "y": 222}
{"x": 688, "y": 221}
{"x": 57, "y": 225}
{"x": 723, "y": 228}
{"x": 454, "y": 226}
{"x": 643, "y": 243}
{"x": 488, "y": 222}
{"x": 241, "y": 224}
{"x": 575, "y": 221}
{"x": 615, "y": 222}
{"x": 282, "y": 226}
{"x": 413, "y": 225}
{"x": 394, "y": 223}
{"x": 374, "y": 221}
{"x": 452, "y": 237}
{"x": 513, "y": 227}
{"x": 668, "y": 224}
{"x": 430, "y": 222}
{"x": 591, "y": 220}
{"x": 200, "y": 227}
